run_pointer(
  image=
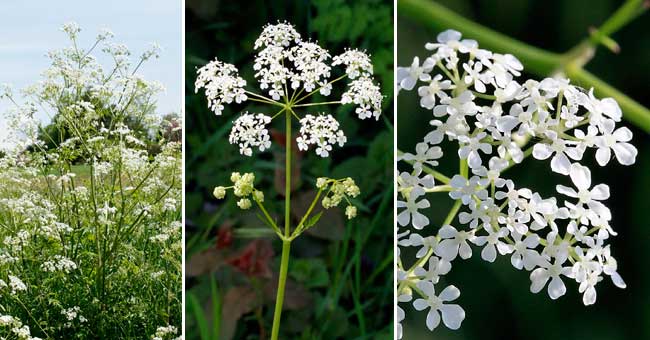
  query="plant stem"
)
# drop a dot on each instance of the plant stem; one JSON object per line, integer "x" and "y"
{"x": 282, "y": 280}
{"x": 286, "y": 244}
{"x": 536, "y": 60}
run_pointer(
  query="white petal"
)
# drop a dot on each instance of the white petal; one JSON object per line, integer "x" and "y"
{"x": 566, "y": 191}
{"x": 581, "y": 176}
{"x": 538, "y": 279}
{"x": 561, "y": 163}
{"x": 556, "y": 288}
{"x": 623, "y": 134}
{"x": 489, "y": 253}
{"x": 447, "y": 249}
{"x": 447, "y": 231}
{"x": 618, "y": 280}
{"x": 433, "y": 319}
{"x": 420, "y": 304}
{"x": 542, "y": 151}
{"x": 465, "y": 251}
{"x": 516, "y": 261}
{"x": 450, "y": 293}
{"x": 589, "y": 297}
{"x": 603, "y": 155}
{"x": 600, "y": 192}
{"x": 419, "y": 220}
{"x": 404, "y": 217}
{"x": 625, "y": 153}
{"x": 452, "y": 316}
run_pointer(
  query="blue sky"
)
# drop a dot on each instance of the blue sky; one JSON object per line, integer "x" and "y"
{"x": 31, "y": 28}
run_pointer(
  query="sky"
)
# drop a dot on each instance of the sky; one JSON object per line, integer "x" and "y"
{"x": 31, "y": 28}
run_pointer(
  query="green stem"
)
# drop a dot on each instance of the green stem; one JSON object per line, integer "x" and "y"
{"x": 286, "y": 244}
{"x": 536, "y": 60}
{"x": 282, "y": 280}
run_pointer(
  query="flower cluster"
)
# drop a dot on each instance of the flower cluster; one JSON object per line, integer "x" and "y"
{"x": 249, "y": 130}
{"x": 477, "y": 101}
{"x": 290, "y": 70}
{"x": 322, "y": 131}
{"x": 243, "y": 188}
{"x": 221, "y": 84}
{"x": 366, "y": 95}
{"x": 337, "y": 190}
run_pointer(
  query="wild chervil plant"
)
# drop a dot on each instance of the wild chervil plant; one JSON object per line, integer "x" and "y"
{"x": 480, "y": 106}
{"x": 90, "y": 208}
{"x": 290, "y": 70}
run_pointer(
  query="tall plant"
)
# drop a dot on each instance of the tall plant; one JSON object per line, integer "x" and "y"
{"x": 89, "y": 219}
{"x": 290, "y": 71}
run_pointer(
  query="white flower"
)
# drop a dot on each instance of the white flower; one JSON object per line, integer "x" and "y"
{"x": 470, "y": 147}
{"x": 601, "y": 110}
{"x": 492, "y": 242}
{"x": 309, "y": 62}
{"x": 523, "y": 253}
{"x": 408, "y": 76}
{"x": 281, "y": 34}
{"x": 425, "y": 244}
{"x": 435, "y": 88}
{"x": 364, "y": 93}
{"x": 560, "y": 163}
{"x": 16, "y": 284}
{"x": 357, "y": 63}
{"x": 411, "y": 214}
{"x": 464, "y": 189}
{"x": 540, "y": 276}
{"x": 618, "y": 142}
{"x": 322, "y": 131}
{"x": 222, "y": 84}
{"x": 474, "y": 75}
{"x": 249, "y": 131}
{"x": 424, "y": 155}
{"x": 581, "y": 177}
{"x": 452, "y": 314}
{"x": 414, "y": 183}
{"x": 436, "y": 268}
{"x": 454, "y": 243}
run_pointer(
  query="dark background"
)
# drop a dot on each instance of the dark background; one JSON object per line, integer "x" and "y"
{"x": 227, "y": 30}
{"x": 496, "y": 296}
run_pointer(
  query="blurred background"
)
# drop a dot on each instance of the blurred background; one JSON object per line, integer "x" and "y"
{"x": 341, "y": 280}
{"x": 496, "y": 297}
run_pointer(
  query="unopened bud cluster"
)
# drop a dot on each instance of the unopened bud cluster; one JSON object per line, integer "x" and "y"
{"x": 337, "y": 191}
{"x": 243, "y": 188}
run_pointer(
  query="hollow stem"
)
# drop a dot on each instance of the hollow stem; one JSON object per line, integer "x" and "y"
{"x": 286, "y": 243}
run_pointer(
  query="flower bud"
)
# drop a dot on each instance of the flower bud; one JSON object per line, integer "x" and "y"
{"x": 219, "y": 192}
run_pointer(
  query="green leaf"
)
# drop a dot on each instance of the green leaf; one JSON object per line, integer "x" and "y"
{"x": 313, "y": 220}
{"x": 311, "y": 272}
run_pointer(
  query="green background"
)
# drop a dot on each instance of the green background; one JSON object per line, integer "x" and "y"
{"x": 496, "y": 296}
{"x": 361, "y": 277}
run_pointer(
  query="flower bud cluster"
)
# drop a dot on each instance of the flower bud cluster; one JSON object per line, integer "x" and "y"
{"x": 243, "y": 188}
{"x": 337, "y": 191}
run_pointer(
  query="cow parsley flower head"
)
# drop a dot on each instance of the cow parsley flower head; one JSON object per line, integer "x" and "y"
{"x": 494, "y": 120}
{"x": 357, "y": 63}
{"x": 322, "y": 131}
{"x": 249, "y": 131}
{"x": 222, "y": 84}
{"x": 290, "y": 71}
{"x": 280, "y": 34}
